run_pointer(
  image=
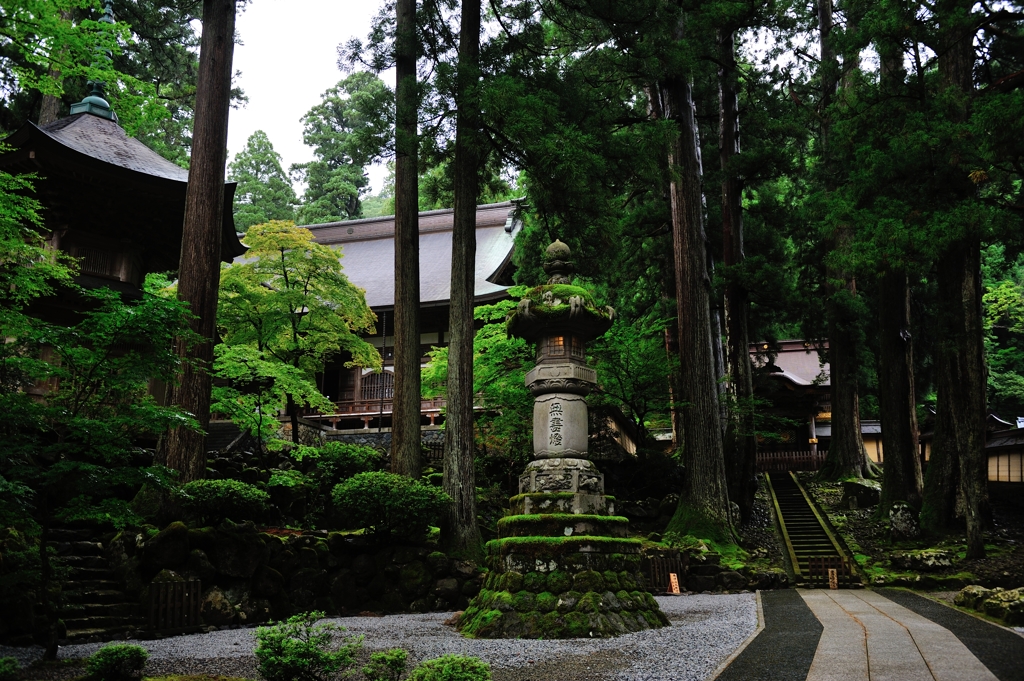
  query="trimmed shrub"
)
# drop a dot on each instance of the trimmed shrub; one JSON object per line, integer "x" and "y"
{"x": 452, "y": 668}
{"x": 118, "y": 662}
{"x": 9, "y": 669}
{"x": 338, "y": 461}
{"x": 386, "y": 666}
{"x": 214, "y": 500}
{"x": 389, "y": 505}
{"x": 302, "y": 650}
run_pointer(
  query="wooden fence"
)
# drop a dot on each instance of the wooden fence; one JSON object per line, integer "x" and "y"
{"x": 818, "y": 571}
{"x": 658, "y": 567}
{"x": 174, "y": 605}
{"x": 790, "y": 461}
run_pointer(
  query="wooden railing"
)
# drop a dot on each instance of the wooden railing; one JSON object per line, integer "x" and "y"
{"x": 797, "y": 460}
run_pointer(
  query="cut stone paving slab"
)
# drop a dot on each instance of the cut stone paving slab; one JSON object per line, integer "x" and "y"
{"x": 867, "y": 636}
{"x": 947, "y": 657}
{"x": 842, "y": 653}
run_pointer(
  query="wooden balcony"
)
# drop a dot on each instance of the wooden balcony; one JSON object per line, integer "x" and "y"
{"x": 368, "y": 411}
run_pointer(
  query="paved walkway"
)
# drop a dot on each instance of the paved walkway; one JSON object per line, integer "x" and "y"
{"x": 865, "y": 635}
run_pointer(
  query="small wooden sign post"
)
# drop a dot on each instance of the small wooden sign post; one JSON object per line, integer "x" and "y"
{"x": 673, "y": 583}
{"x": 833, "y": 579}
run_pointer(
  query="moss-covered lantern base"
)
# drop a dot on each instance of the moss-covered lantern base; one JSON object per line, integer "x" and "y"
{"x": 570, "y": 572}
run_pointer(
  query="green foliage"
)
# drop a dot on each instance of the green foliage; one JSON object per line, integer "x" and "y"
{"x": 633, "y": 370}
{"x": 117, "y": 662}
{"x": 302, "y": 650}
{"x": 214, "y": 500}
{"x": 283, "y": 313}
{"x": 349, "y": 128}
{"x": 264, "y": 191}
{"x": 500, "y": 364}
{"x": 9, "y": 669}
{"x": 386, "y": 666}
{"x": 452, "y": 668}
{"x": 389, "y": 505}
{"x": 339, "y": 461}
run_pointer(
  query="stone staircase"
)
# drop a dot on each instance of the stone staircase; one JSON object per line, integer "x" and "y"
{"x": 96, "y": 608}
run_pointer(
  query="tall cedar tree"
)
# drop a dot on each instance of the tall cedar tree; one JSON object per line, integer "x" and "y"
{"x": 199, "y": 270}
{"x": 846, "y": 455}
{"x": 703, "y": 505}
{"x": 957, "y": 468}
{"x": 740, "y": 443}
{"x": 264, "y": 192}
{"x": 405, "y": 435}
{"x": 459, "y": 528}
{"x": 897, "y": 402}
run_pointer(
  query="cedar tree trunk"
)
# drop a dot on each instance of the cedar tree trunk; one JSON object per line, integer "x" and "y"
{"x": 902, "y": 478}
{"x": 740, "y": 443}
{"x": 704, "y": 505}
{"x": 846, "y": 454}
{"x": 960, "y": 366}
{"x": 405, "y": 416}
{"x": 199, "y": 270}
{"x": 459, "y": 530}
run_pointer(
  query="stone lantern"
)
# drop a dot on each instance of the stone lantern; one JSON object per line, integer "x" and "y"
{"x": 563, "y": 565}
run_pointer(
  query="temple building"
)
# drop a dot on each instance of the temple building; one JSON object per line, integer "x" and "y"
{"x": 363, "y": 398}
{"x": 108, "y": 200}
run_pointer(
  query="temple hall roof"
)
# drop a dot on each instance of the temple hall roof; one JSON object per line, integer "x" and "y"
{"x": 106, "y": 141}
{"x": 797, "y": 362}
{"x": 369, "y": 249}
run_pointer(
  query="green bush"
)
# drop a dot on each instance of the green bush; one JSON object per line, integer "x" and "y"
{"x": 452, "y": 668}
{"x": 214, "y": 500}
{"x": 9, "y": 669}
{"x": 338, "y": 461}
{"x": 386, "y": 666}
{"x": 301, "y": 650}
{"x": 389, "y": 505}
{"x": 118, "y": 662}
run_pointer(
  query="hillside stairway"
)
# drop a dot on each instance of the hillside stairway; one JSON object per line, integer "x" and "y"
{"x": 95, "y": 608}
{"x": 809, "y": 541}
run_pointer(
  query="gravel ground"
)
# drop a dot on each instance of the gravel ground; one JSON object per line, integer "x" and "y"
{"x": 705, "y": 630}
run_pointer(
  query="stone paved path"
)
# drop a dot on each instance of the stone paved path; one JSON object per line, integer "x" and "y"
{"x": 864, "y": 635}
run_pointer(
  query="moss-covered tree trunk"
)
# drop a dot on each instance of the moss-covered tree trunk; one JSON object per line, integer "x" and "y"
{"x": 405, "y": 416}
{"x": 199, "y": 270}
{"x": 459, "y": 530}
{"x": 896, "y": 400}
{"x": 704, "y": 505}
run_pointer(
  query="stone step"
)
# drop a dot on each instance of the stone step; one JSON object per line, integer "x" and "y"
{"x": 94, "y": 596}
{"x": 118, "y": 609}
{"x": 78, "y": 574}
{"x": 87, "y": 635}
{"x": 64, "y": 534}
{"x": 101, "y": 584}
{"x": 102, "y": 622}
{"x": 78, "y": 548}
{"x": 79, "y": 561}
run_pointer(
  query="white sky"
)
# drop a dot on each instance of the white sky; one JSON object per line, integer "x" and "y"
{"x": 288, "y": 59}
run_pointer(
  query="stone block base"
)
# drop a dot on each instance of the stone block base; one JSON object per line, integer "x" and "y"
{"x": 567, "y": 586}
{"x": 562, "y": 502}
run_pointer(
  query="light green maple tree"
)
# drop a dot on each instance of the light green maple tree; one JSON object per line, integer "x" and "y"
{"x": 284, "y": 311}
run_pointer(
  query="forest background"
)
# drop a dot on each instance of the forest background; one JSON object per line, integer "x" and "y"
{"x": 874, "y": 202}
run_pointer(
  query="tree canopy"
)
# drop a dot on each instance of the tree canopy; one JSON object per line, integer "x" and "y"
{"x": 264, "y": 191}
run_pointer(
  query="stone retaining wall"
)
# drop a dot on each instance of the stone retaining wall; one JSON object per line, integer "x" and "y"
{"x": 250, "y": 576}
